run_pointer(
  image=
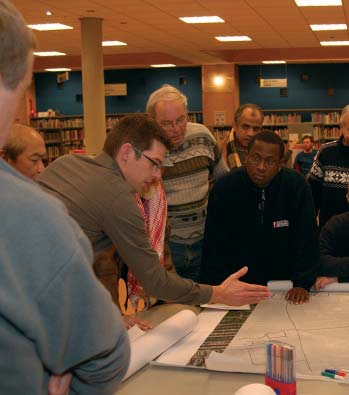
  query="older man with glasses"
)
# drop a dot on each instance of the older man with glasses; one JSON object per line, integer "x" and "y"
{"x": 262, "y": 216}
{"x": 197, "y": 163}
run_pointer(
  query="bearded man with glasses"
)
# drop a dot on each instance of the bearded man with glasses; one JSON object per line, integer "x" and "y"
{"x": 197, "y": 162}
{"x": 103, "y": 196}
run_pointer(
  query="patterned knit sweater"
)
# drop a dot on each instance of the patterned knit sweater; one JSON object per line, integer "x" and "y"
{"x": 197, "y": 163}
{"x": 329, "y": 180}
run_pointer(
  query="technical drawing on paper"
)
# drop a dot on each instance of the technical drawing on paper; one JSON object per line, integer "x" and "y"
{"x": 319, "y": 330}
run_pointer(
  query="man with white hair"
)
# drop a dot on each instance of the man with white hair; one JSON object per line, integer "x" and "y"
{"x": 197, "y": 163}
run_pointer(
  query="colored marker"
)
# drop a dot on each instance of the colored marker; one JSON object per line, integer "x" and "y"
{"x": 332, "y": 376}
{"x": 337, "y": 372}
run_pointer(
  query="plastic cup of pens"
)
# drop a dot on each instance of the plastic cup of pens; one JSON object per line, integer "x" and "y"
{"x": 280, "y": 372}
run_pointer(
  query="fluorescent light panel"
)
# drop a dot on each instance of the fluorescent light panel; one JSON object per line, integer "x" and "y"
{"x": 333, "y": 43}
{"x": 202, "y": 19}
{"x": 112, "y": 43}
{"x": 49, "y": 53}
{"x": 233, "y": 38}
{"x": 50, "y": 26}
{"x": 59, "y": 69}
{"x": 274, "y": 61}
{"x": 163, "y": 65}
{"x": 318, "y": 3}
{"x": 338, "y": 26}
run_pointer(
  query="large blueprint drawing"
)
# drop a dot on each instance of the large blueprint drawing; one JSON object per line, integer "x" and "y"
{"x": 319, "y": 330}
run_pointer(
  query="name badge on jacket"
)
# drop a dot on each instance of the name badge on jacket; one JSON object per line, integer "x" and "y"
{"x": 281, "y": 224}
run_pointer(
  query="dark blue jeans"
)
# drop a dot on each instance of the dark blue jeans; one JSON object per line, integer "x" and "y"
{"x": 187, "y": 259}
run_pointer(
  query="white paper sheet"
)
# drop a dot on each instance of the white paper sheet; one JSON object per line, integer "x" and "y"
{"x": 221, "y": 306}
{"x": 181, "y": 352}
{"x": 155, "y": 341}
{"x": 134, "y": 333}
{"x": 319, "y": 330}
{"x": 285, "y": 285}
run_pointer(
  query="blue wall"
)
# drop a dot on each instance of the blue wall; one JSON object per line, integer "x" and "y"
{"x": 301, "y": 94}
{"x": 140, "y": 83}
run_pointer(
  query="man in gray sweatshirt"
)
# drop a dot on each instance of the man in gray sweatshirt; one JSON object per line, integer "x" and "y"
{"x": 59, "y": 329}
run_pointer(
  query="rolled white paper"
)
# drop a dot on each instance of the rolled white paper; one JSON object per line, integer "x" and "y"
{"x": 157, "y": 340}
{"x": 280, "y": 286}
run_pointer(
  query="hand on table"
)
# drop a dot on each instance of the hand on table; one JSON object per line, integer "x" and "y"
{"x": 234, "y": 292}
{"x": 297, "y": 295}
{"x": 321, "y": 282}
{"x": 132, "y": 320}
{"x": 59, "y": 384}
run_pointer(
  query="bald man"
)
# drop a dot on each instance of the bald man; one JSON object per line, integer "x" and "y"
{"x": 24, "y": 149}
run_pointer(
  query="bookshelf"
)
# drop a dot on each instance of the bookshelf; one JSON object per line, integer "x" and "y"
{"x": 62, "y": 134}
{"x": 322, "y": 124}
{"x": 112, "y": 119}
{"x": 65, "y": 133}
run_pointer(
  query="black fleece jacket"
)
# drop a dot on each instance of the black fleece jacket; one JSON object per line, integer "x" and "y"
{"x": 273, "y": 231}
{"x": 334, "y": 248}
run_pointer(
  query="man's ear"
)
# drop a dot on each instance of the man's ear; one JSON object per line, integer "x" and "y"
{"x": 3, "y": 154}
{"x": 125, "y": 151}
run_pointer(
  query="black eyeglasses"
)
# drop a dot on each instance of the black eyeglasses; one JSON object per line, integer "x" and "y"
{"x": 156, "y": 165}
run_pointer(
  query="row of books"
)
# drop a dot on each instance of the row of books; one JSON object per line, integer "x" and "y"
{"x": 331, "y": 117}
{"x": 54, "y": 151}
{"x": 57, "y": 123}
{"x": 63, "y": 135}
{"x": 272, "y": 119}
{"x": 331, "y": 133}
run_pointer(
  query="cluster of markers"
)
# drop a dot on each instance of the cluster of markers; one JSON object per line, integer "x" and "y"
{"x": 335, "y": 374}
{"x": 280, "y": 362}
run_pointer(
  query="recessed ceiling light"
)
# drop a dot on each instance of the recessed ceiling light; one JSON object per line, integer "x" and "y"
{"x": 49, "y": 53}
{"x": 273, "y": 62}
{"x": 163, "y": 65}
{"x": 317, "y": 3}
{"x": 50, "y": 26}
{"x": 202, "y": 19}
{"x": 59, "y": 69}
{"x": 338, "y": 26}
{"x": 333, "y": 43}
{"x": 233, "y": 38}
{"x": 48, "y": 13}
{"x": 112, "y": 43}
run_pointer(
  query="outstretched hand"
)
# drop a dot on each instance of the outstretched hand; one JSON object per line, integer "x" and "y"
{"x": 234, "y": 292}
{"x": 297, "y": 295}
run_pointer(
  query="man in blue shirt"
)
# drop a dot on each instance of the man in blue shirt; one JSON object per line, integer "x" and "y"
{"x": 305, "y": 159}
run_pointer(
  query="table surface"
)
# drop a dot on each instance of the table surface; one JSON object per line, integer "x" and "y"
{"x": 159, "y": 380}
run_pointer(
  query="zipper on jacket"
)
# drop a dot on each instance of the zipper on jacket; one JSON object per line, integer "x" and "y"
{"x": 261, "y": 206}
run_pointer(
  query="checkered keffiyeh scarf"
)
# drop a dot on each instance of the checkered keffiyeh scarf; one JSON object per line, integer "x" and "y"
{"x": 154, "y": 212}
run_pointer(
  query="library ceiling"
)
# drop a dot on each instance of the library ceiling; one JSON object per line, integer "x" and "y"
{"x": 155, "y": 35}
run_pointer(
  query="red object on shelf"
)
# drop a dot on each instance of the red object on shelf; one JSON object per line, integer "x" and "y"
{"x": 32, "y": 112}
{"x": 78, "y": 151}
